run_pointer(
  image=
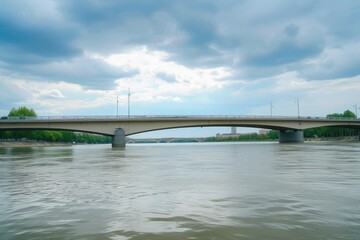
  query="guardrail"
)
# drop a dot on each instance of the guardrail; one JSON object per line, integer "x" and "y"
{"x": 6, "y": 118}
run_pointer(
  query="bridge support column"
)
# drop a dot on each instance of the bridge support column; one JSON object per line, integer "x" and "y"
{"x": 118, "y": 140}
{"x": 296, "y": 136}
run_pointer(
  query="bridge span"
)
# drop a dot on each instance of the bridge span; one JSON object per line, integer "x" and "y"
{"x": 290, "y": 128}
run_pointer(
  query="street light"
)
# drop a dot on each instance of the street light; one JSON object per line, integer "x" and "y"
{"x": 356, "y": 110}
{"x": 128, "y": 103}
{"x": 298, "y": 106}
{"x": 271, "y": 108}
{"x": 117, "y": 106}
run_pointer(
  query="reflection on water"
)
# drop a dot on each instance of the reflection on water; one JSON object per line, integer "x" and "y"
{"x": 181, "y": 191}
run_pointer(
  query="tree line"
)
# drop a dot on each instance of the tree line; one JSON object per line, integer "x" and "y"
{"x": 48, "y": 135}
{"x": 319, "y": 132}
{"x": 333, "y": 131}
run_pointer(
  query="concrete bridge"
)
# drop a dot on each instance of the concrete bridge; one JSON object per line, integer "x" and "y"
{"x": 290, "y": 128}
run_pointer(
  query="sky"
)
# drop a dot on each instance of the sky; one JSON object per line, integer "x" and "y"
{"x": 229, "y": 57}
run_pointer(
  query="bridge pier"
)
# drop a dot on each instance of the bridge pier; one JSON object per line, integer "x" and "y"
{"x": 118, "y": 140}
{"x": 295, "y": 136}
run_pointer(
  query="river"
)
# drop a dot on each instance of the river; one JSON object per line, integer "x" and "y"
{"x": 181, "y": 191}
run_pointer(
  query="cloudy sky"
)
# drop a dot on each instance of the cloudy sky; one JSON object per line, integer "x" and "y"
{"x": 228, "y": 57}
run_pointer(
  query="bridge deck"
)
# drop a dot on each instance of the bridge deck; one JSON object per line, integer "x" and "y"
{"x": 172, "y": 117}
{"x": 144, "y": 123}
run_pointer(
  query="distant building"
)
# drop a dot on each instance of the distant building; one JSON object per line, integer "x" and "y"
{"x": 232, "y": 134}
{"x": 264, "y": 131}
{"x": 224, "y": 135}
{"x": 233, "y": 130}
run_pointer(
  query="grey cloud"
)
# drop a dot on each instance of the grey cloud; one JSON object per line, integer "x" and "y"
{"x": 186, "y": 29}
{"x": 340, "y": 62}
{"x": 254, "y": 38}
{"x": 285, "y": 52}
{"x": 90, "y": 73}
{"x": 23, "y": 42}
{"x": 292, "y": 30}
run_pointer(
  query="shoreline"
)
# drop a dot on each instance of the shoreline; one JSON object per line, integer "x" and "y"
{"x": 333, "y": 139}
{"x": 16, "y": 144}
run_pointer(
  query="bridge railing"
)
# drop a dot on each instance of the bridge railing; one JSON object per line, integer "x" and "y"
{"x": 6, "y": 118}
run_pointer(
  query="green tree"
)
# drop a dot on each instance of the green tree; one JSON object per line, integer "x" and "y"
{"x": 22, "y": 112}
{"x": 346, "y": 114}
{"x": 47, "y": 135}
{"x": 333, "y": 131}
{"x": 68, "y": 136}
{"x": 273, "y": 134}
{"x": 349, "y": 114}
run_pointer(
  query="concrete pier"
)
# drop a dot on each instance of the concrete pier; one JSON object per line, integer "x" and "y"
{"x": 118, "y": 140}
{"x": 295, "y": 136}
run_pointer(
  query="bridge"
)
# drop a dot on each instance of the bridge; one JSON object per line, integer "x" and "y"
{"x": 290, "y": 128}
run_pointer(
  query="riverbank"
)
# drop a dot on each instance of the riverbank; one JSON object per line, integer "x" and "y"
{"x": 13, "y": 144}
{"x": 342, "y": 139}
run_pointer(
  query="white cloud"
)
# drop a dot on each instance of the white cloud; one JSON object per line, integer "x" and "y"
{"x": 49, "y": 98}
{"x": 168, "y": 98}
{"x": 51, "y": 93}
{"x": 148, "y": 84}
{"x": 317, "y": 98}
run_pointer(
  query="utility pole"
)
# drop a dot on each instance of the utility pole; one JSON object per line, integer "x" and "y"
{"x": 117, "y": 106}
{"x": 298, "y": 106}
{"x": 128, "y": 103}
{"x": 356, "y": 110}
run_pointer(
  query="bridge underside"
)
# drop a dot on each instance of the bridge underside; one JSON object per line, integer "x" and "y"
{"x": 294, "y": 136}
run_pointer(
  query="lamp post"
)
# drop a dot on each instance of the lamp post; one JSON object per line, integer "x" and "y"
{"x": 298, "y": 106}
{"x": 128, "y": 103}
{"x": 356, "y": 110}
{"x": 117, "y": 106}
{"x": 271, "y": 108}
